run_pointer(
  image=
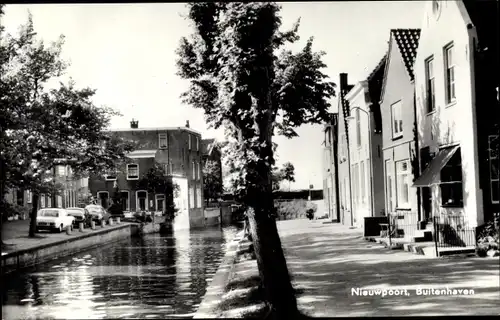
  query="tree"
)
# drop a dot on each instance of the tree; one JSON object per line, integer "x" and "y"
{"x": 43, "y": 128}
{"x": 212, "y": 181}
{"x": 155, "y": 180}
{"x": 242, "y": 83}
{"x": 287, "y": 173}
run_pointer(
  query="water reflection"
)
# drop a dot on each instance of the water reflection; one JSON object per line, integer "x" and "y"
{"x": 153, "y": 276}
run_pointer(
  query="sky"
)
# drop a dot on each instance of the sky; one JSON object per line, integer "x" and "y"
{"x": 127, "y": 53}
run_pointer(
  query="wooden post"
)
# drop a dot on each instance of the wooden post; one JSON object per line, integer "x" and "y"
{"x": 92, "y": 225}
{"x": 111, "y": 221}
{"x": 103, "y": 223}
{"x": 118, "y": 220}
{"x": 80, "y": 226}
{"x": 68, "y": 230}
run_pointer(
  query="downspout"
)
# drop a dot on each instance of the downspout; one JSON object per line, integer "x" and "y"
{"x": 336, "y": 175}
{"x": 417, "y": 153}
{"x": 350, "y": 181}
{"x": 370, "y": 132}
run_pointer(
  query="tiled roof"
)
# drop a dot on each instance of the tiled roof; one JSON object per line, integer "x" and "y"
{"x": 407, "y": 41}
{"x": 375, "y": 80}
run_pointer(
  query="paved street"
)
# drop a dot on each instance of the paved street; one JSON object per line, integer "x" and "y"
{"x": 327, "y": 261}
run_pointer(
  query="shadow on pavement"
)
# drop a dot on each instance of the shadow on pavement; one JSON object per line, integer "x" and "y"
{"x": 327, "y": 262}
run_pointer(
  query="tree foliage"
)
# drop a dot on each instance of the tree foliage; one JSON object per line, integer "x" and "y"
{"x": 155, "y": 180}
{"x": 212, "y": 180}
{"x": 41, "y": 126}
{"x": 245, "y": 80}
{"x": 286, "y": 173}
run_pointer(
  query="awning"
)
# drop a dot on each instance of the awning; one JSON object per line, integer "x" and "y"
{"x": 432, "y": 174}
{"x": 142, "y": 154}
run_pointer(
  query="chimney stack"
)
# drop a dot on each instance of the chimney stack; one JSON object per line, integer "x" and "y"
{"x": 343, "y": 81}
{"x": 134, "y": 124}
{"x": 187, "y": 123}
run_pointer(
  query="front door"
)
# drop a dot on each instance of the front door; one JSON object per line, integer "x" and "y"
{"x": 160, "y": 203}
{"x": 427, "y": 203}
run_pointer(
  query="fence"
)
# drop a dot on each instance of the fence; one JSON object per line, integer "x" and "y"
{"x": 401, "y": 226}
{"x": 453, "y": 231}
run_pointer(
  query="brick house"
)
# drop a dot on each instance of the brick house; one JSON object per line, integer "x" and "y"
{"x": 178, "y": 150}
{"x": 397, "y": 103}
{"x": 330, "y": 168}
{"x": 456, "y": 83}
{"x": 344, "y": 172}
{"x": 365, "y": 146}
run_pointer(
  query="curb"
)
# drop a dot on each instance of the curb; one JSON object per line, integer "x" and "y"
{"x": 217, "y": 286}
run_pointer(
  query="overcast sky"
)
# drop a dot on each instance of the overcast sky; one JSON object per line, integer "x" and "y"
{"x": 127, "y": 53}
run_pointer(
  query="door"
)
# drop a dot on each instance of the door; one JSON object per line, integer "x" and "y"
{"x": 160, "y": 203}
{"x": 427, "y": 203}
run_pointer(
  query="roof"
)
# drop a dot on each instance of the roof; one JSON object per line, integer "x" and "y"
{"x": 407, "y": 41}
{"x": 375, "y": 81}
{"x": 153, "y": 129}
{"x": 346, "y": 110}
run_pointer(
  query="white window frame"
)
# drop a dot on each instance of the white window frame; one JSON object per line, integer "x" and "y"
{"x": 497, "y": 158}
{"x": 157, "y": 197}
{"x": 109, "y": 177}
{"x": 137, "y": 207}
{"x": 127, "y": 208}
{"x": 61, "y": 170}
{"x": 362, "y": 182}
{"x": 430, "y": 83}
{"x": 397, "y": 116}
{"x": 197, "y": 144}
{"x": 358, "y": 127}
{"x": 42, "y": 200}
{"x": 29, "y": 196}
{"x": 189, "y": 141}
{"x": 193, "y": 170}
{"x": 162, "y": 136}
{"x": 191, "y": 197}
{"x": 198, "y": 197}
{"x": 399, "y": 203}
{"x": 449, "y": 83}
{"x": 99, "y": 198}
{"x": 128, "y": 175}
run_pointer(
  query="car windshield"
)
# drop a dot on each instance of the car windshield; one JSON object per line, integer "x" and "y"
{"x": 49, "y": 213}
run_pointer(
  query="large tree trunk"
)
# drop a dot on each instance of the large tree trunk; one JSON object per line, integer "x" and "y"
{"x": 33, "y": 214}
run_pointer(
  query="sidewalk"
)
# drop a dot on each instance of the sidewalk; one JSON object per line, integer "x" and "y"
{"x": 327, "y": 261}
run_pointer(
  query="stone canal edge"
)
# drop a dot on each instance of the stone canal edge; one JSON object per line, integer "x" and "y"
{"x": 217, "y": 287}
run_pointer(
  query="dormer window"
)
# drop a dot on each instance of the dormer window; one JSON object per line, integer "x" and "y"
{"x": 162, "y": 141}
{"x": 132, "y": 172}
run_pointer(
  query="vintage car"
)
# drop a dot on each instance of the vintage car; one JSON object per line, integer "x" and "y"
{"x": 53, "y": 219}
{"x": 98, "y": 213}
{"x": 81, "y": 215}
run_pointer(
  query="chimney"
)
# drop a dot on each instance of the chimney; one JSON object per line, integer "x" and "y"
{"x": 187, "y": 123}
{"x": 343, "y": 81}
{"x": 134, "y": 124}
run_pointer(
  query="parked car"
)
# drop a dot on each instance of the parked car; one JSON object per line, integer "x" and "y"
{"x": 53, "y": 219}
{"x": 81, "y": 215}
{"x": 98, "y": 213}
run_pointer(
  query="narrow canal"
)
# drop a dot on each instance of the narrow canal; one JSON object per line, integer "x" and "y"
{"x": 153, "y": 276}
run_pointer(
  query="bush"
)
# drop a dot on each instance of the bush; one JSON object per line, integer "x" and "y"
{"x": 297, "y": 208}
{"x": 488, "y": 238}
{"x": 116, "y": 209}
{"x": 12, "y": 209}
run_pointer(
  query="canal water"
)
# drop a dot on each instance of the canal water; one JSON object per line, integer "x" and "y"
{"x": 148, "y": 277}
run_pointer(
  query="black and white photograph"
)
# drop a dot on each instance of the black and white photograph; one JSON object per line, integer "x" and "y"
{"x": 250, "y": 160}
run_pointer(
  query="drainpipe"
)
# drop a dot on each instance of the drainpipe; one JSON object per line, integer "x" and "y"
{"x": 372, "y": 191}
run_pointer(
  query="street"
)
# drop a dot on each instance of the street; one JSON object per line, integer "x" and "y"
{"x": 328, "y": 261}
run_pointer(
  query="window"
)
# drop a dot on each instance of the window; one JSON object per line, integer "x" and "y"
{"x": 198, "y": 197}
{"x": 199, "y": 171}
{"x": 494, "y": 149}
{"x": 362, "y": 182}
{"x": 402, "y": 183}
{"x": 28, "y": 196}
{"x": 103, "y": 198}
{"x": 59, "y": 201}
{"x": 358, "y": 128}
{"x": 142, "y": 200}
{"x": 191, "y": 197}
{"x": 132, "y": 172}
{"x": 61, "y": 171}
{"x": 49, "y": 201}
{"x": 197, "y": 144}
{"x": 397, "y": 120}
{"x": 388, "y": 177}
{"x": 189, "y": 141}
{"x": 125, "y": 200}
{"x": 451, "y": 182}
{"x": 162, "y": 141}
{"x": 42, "y": 201}
{"x": 165, "y": 169}
{"x": 110, "y": 177}
{"x": 429, "y": 75}
{"x": 193, "y": 170}
{"x": 450, "y": 74}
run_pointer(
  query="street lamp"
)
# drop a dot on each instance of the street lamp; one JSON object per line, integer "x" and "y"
{"x": 370, "y": 155}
